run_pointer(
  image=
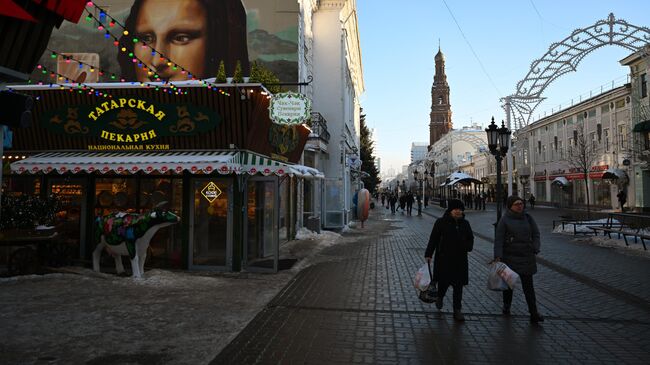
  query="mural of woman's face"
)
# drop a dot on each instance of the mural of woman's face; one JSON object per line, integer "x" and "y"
{"x": 178, "y": 30}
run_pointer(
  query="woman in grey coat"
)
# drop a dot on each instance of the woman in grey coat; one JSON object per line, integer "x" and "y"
{"x": 516, "y": 244}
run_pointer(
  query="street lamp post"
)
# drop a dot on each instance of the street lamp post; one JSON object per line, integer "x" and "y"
{"x": 498, "y": 142}
{"x": 523, "y": 179}
{"x": 416, "y": 176}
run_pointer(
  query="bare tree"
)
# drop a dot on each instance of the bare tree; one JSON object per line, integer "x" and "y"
{"x": 581, "y": 156}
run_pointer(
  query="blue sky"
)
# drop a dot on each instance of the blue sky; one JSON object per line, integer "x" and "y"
{"x": 400, "y": 39}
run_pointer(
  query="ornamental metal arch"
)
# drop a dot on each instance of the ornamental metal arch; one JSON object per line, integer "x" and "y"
{"x": 441, "y": 146}
{"x": 564, "y": 57}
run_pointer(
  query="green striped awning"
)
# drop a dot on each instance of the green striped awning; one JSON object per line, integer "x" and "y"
{"x": 206, "y": 162}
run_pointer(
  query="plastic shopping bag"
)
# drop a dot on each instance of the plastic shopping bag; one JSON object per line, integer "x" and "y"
{"x": 422, "y": 278}
{"x": 426, "y": 289}
{"x": 507, "y": 274}
{"x": 495, "y": 282}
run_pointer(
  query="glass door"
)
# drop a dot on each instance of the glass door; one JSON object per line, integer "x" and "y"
{"x": 70, "y": 221}
{"x": 211, "y": 224}
{"x": 262, "y": 225}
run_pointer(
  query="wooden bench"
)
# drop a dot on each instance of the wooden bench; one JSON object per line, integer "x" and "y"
{"x": 579, "y": 220}
{"x": 626, "y": 225}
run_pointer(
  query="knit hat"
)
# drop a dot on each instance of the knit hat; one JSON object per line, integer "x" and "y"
{"x": 512, "y": 199}
{"x": 454, "y": 204}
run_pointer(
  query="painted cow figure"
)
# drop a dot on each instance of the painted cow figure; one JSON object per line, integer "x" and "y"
{"x": 129, "y": 234}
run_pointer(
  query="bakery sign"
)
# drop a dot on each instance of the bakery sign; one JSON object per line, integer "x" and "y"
{"x": 130, "y": 120}
{"x": 290, "y": 108}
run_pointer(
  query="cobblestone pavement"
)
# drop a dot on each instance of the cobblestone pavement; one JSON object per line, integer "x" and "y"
{"x": 360, "y": 307}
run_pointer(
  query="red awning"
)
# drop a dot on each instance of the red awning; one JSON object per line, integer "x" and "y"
{"x": 13, "y": 10}
{"x": 70, "y": 10}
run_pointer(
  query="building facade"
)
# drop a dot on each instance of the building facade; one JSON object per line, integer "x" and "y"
{"x": 593, "y": 135}
{"x": 333, "y": 56}
{"x": 269, "y": 186}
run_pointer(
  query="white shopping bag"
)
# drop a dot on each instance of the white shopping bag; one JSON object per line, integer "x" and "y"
{"x": 422, "y": 278}
{"x": 495, "y": 282}
{"x": 507, "y": 274}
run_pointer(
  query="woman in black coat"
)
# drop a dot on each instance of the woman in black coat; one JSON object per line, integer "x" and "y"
{"x": 451, "y": 239}
{"x": 517, "y": 243}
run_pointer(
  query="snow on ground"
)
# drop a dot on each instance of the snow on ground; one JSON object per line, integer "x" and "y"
{"x": 634, "y": 248}
{"x": 80, "y": 316}
{"x": 307, "y": 245}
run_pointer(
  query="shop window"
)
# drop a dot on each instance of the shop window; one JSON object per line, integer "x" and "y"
{"x": 602, "y": 193}
{"x": 540, "y": 190}
{"x": 17, "y": 185}
{"x": 141, "y": 195}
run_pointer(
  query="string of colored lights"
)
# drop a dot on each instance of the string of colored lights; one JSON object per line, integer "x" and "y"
{"x": 79, "y": 86}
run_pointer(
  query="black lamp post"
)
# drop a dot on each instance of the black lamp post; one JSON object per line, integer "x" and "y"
{"x": 498, "y": 141}
{"x": 523, "y": 179}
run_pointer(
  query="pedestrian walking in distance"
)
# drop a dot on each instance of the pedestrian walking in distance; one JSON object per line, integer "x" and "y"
{"x": 622, "y": 199}
{"x": 531, "y": 200}
{"x": 517, "y": 243}
{"x": 451, "y": 239}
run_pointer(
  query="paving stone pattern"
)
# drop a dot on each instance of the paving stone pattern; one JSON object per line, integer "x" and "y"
{"x": 360, "y": 307}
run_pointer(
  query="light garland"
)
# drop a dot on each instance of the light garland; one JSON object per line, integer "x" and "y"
{"x": 154, "y": 52}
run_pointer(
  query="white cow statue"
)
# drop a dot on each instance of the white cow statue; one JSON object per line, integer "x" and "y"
{"x": 129, "y": 234}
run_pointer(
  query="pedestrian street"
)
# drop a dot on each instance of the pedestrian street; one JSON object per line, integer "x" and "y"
{"x": 360, "y": 305}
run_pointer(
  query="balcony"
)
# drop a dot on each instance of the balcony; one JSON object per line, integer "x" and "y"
{"x": 318, "y": 126}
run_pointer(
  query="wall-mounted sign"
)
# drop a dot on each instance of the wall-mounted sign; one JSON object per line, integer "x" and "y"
{"x": 290, "y": 108}
{"x": 131, "y": 120}
{"x": 211, "y": 192}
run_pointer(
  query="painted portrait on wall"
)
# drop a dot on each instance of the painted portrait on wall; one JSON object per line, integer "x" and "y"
{"x": 175, "y": 40}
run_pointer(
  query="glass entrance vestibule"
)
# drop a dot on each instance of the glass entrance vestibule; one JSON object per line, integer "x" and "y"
{"x": 228, "y": 222}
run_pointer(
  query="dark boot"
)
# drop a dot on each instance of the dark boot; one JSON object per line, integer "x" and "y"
{"x": 506, "y": 310}
{"x": 536, "y": 318}
{"x": 439, "y": 302}
{"x": 458, "y": 316}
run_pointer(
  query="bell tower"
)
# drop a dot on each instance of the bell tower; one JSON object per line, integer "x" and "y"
{"x": 440, "y": 115}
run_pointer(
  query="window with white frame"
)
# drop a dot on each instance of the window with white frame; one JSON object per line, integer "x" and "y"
{"x": 594, "y": 141}
{"x": 622, "y": 136}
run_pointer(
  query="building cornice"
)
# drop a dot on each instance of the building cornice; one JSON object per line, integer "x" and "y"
{"x": 331, "y": 4}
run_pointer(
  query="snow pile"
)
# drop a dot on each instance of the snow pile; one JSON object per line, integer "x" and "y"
{"x": 634, "y": 249}
{"x": 307, "y": 246}
{"x": 305, "y": 234}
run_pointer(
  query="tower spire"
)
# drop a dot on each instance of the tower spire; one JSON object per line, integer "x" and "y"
{"x": 440, "y": 116}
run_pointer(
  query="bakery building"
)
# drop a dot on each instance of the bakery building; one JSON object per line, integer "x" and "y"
{"x": 211, "y": 154}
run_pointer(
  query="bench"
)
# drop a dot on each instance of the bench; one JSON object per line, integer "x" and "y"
{"x": 578, "y": 220}
{"x": 626, "y": 225}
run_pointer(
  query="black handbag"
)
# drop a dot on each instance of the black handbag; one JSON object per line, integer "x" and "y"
{"x": 431, "y": 293}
